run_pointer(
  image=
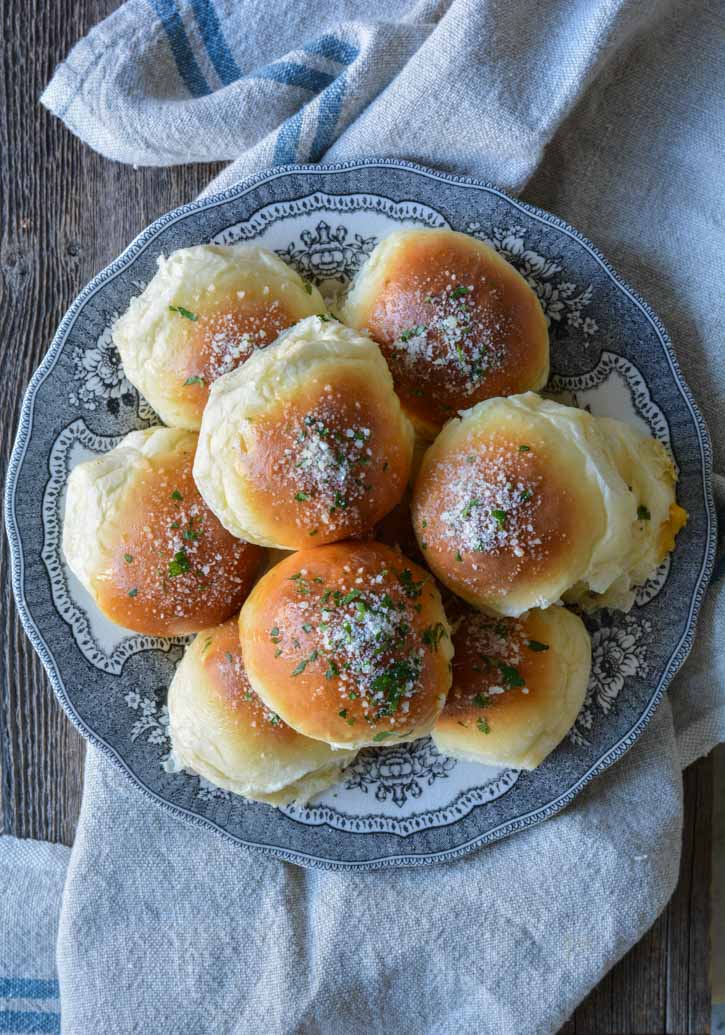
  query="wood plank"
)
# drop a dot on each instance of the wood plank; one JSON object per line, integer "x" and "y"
{"x": 688, "y": 1003}
{"x": 65, "y": 212}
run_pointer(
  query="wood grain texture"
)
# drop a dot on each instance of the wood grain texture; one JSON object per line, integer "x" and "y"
{"x": 64, "y": 214}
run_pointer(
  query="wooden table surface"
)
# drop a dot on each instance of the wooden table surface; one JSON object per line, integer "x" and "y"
{"x": 64, "y": 214}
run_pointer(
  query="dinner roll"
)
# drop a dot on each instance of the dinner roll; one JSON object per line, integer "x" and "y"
{"x": 454, "y": 319}
{"x": 517, "y": 501}
{"x": 221, "y": 730}
{"x": 305, "y": 443}
{"x": 518, "y": 685}
{"x": 349, "y": 644}
{"x": 647, "y": 468}
{"x": 205, "y": 310}
{"x": 140, "y": 539}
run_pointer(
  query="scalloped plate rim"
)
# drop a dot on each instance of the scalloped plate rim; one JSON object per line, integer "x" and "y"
{"x": 17, "y": 565}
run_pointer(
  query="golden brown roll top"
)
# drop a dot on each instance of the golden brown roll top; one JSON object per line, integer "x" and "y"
{"x": 518, "y": 685}
{"x": 349, "y": 644}
{"x": 221, "y": 730}
{"x": 523, "y": 501}
{"x": 455, "y": 321}
{"x": 517, "y": 501}
{"x": 203, "y": 313}
{"x": 144, "y": 544}
{"x": 306, "y": 443}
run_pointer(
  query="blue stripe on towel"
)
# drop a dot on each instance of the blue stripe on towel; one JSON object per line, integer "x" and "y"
{"x": 330, "y": 107}
{"x": 291, "y": 74}
{"x": 288, "y": 138}
{"x": 28, "y": 988}
{"x": 217, "y": 47}
{"x": 333, "y": 48}
{"x": 28, "y": 1022}
{"x": 186, "y": 63}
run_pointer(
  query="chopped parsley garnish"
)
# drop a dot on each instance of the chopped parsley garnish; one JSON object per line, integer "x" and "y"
{"x": 192, "y": 534}
{"x": 195, "y": 380}
{"x": 412, "y": 332}
{"x": 306, "y": 627}
{"x": 524, "y": 449}
{"x": 324, "y": 317}
{"x": 411, "y": 588}
{"x": 458, "y": 555}
{"x": 176, "y": 495}
{"x": 500, "y": 518}
{"x": 307, "y": 287}
{"x": 469, "y": 507}
{"x": 228, "y": 655}
{"x": 392, "y": 684}
{"x": 354, "y": 594}
{"x": 643, "y": 513}
{"x": 382, "y": 736}
{"x": 343, "y": 713}
{"x": 247, "y": 696}
{"x": 296, "y": 576}
{"x": 510, "y": 676}
{"x": 183, "y": 312}
{"x": 274, "y": 633}
{"x": 128, "y": 558}
{"x": 537, "y": 645}
{"x": 180, "y": 564}
{"x": 301, "y": 497}
{"x": 459, "y": 291}
{"x": 300, "y": 667}
{"x": 133, "y": 592}
{"x": 312, "y": 531}
{"x": 483, "y": 726}
{"x": 482, "y": 700}
{"x": 433, "y": 635}
{"x": 274, "y": 720}
{"x": 525, "y": 495}
{"x": 332, "y": 670}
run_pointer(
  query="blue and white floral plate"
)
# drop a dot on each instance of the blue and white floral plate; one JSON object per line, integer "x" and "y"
{"x": 401, "y": 805}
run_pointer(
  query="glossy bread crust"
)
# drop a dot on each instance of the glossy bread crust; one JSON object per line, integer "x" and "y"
{"x": 144, "y": 544}
{"x": 518, "y": 686}
{"x": 204, "y": 312}
{"x": 221, "y": 730}
{"x": 306, "y": 443}
{"x": 517, "y": 501}
{"x": 349, "y": 644}
{"x": 455, "y": 321}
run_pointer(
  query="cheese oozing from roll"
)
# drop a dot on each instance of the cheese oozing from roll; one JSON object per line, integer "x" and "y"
{"x": 221, "y": 730}
{"x": 349, "y": 644}
{"x": 203, "y": 313}
{"x": 141, "y": 540}
{"x": 518, "y": 686}
{"x": 455, "y": 321}
{"x": 306, "y": 443}
{"x": 517, "y": 501}
{"x": 648, "y": 470}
